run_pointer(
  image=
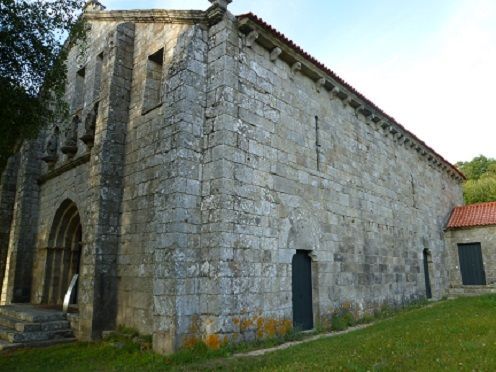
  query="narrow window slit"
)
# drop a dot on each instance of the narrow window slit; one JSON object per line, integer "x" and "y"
{"x": 412, "y": 183}
{"x": 317, "y": 142}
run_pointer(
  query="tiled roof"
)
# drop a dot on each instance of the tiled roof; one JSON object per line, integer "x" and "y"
{"x": 481, "y": 214}
{"x": 282, "y": 38}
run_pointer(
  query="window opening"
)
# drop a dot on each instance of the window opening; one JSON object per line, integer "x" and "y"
{"x": 79, "y": 89}
{"x": 153, "y": 84}
{"x": 98, "y": 76}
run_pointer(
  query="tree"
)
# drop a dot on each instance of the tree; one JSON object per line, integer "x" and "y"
{"x": 477, "y": 167}
{"x": 480, "y": 185}
{"x": 32, "y": 68}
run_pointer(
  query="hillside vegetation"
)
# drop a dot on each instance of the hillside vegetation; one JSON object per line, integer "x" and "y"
{"x": 480, "y": 185}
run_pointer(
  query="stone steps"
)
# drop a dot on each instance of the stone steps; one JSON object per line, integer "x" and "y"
{"x": 23, "y": 325}
{"x": 29, "y": 313}
{"x": 470, "y": 290}
{"x": 8, "y": 346}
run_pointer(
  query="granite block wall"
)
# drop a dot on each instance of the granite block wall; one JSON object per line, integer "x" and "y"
{"x": 7, "y": 199}
{"x": 287, "y": 167}
{"x": 22, "y": 235}
{"x": 158, "y": 259}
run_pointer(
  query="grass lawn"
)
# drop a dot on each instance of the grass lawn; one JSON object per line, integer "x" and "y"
{"x": 453, "y": 335}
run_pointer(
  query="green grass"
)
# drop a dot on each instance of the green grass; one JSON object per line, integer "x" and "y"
{"x": 453, "y": 335}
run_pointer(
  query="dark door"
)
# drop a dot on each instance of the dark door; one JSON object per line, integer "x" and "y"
{"x": 471, "y": 266}
{"x": 302, "y": 291}
{"x": 428, "y": 291}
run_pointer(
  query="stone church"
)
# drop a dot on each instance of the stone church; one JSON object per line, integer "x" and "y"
{"x": 214, "y": 183}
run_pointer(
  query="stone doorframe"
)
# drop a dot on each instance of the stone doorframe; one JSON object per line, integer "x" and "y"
{"x": 63, "y": 252}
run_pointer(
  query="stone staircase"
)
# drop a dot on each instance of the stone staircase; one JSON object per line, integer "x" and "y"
{"x": 25, "y": 325}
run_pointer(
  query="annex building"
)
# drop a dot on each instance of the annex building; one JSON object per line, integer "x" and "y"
{"x": 471, "y": 246}
{"x": 215, "y": 182}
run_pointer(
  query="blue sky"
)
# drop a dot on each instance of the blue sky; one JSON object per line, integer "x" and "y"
{"x": 429, "y": 64}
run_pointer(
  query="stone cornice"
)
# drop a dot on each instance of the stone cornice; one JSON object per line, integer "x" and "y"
{"x": 324, "y": 78}
{"x": 148, "y": 16}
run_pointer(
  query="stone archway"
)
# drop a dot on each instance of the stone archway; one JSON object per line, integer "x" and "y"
{"x": 63, "y": 252}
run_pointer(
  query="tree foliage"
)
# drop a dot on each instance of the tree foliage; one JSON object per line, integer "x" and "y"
{"x": 480, "y": 185}
{"x": 32, "y": 68}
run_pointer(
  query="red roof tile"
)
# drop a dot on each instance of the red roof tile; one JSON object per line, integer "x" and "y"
{"x": 481, "y": 214}
{"x": 281, "y": 37}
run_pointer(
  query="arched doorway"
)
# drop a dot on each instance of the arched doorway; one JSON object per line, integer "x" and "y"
{"x": 63, "y": 252}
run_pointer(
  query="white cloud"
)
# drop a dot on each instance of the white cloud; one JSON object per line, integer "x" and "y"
{"x": 444, "y": 93}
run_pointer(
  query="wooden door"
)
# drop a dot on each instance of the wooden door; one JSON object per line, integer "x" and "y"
{"x": 471, "y": 266}
{"x": 302, "y": 291}
{"x": 428, "y": 291}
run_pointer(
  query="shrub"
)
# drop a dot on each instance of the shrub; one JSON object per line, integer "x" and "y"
{"x": 342, "y": 319}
